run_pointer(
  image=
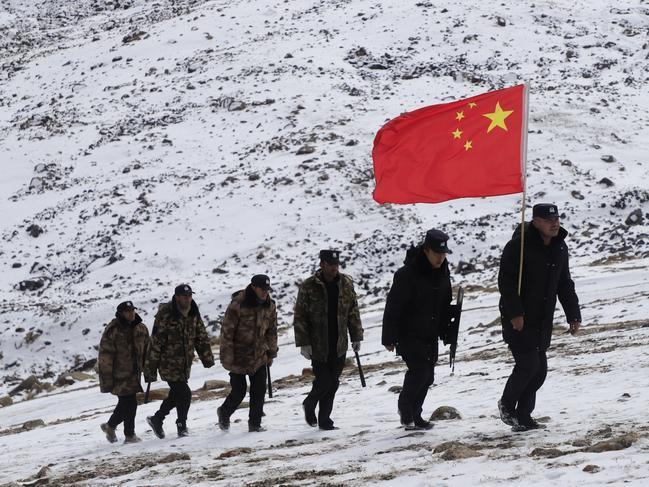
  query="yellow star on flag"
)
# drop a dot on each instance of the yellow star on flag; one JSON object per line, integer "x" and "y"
{"x": 457, "y": 134}
{"x": 498, "y": 118}
{"x": 459, "y": 116}
{"x": 468, "y": 145}
{"x": 473, "y": 105}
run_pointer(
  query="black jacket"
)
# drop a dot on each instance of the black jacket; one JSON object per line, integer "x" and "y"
{"x": 417, "y": 310}
{"x": 546, "y": 275}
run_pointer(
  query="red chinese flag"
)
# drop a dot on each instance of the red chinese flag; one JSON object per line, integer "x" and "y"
{"x": 467, "y": 148}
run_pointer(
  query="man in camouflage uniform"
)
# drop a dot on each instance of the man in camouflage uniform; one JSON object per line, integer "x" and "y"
{"x": 325, "y": 310}
{"x": 121, "y": 357}
{"x": 178, "y": 330}
{"x": 248, "y": 344}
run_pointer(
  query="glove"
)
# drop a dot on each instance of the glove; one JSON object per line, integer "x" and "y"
{"x": 306, "y": 352}
{"x": 356, "y": 346}
{"x": 150, "y": 378}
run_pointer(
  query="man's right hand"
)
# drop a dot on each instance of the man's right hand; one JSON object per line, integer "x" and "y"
{"x": 517, "y": 323}
{"x": 306, "y": 352}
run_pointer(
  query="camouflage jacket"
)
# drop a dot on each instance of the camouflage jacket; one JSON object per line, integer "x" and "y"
{"x": 173, "y": 341}
{"x": 248, "y": 333}
{"x": 310, "y": 321}
{"x": 122, "y": 350}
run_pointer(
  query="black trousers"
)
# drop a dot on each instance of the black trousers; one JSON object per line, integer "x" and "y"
{"x": 238, "y": 392}
{"x": 325, "y": 385}
{"x": 419, "y": 377}
{"x": 528, "y": 376}
{"x": 179, "y": 397}
{"x": 124, "y": 412}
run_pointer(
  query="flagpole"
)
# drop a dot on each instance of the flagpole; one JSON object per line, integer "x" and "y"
{"x": 524, "y": 174}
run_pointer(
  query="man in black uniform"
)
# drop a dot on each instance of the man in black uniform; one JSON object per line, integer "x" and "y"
{"x": 527, "y": 317}
{"x": 416, "y": 313}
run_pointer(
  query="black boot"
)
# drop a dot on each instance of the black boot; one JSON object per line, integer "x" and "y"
{"x": 181, "y": 426}
{"x": 156, "y": 425}
{"x": 224, "y": 421}
{"x": 309, "y": 416}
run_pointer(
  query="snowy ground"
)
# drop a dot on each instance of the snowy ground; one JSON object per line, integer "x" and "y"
{"x": 146, "y": 144}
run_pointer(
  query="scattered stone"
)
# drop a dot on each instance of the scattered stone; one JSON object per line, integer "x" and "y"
{"x": 445, "y": 412}
{"x": 6, "y": 401}
{"x": 33, "y": 424}
{"x": 608, "y": 158}
{"x": 456, "y": 450}
{"x": 31, "y": 284}
{"x": 305, "y": 149}
{"x": 592, "y": 468}
{"x": 134, "y": 36}
{"x": 210, "y": 385}
{"x": 605, "y": 182}
{"x": 577, "y": 194}
{"x": 614, "y": 444}
{"x": 377, "y": 66}
{"x": 233, "y": 453}
{"x": 547, "y": 452}
{"x": 501, "y": 22}
{"x": 395, "y": 389}
{"x": 34, "y": 230}
{"x": 635, "y": 218}
{"x": 465, "y": 268}
{"x": 26, "y": 385}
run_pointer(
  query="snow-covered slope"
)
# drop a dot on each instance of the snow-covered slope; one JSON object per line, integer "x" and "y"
{"x": 146, "y": 144}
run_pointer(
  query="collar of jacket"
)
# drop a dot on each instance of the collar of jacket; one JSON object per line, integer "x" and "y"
{"x": 416, "y": 259}
{"x": 193, "y": 310}
{"x": 123, "y": 322}
{"x": 319, "y": 276}
{"x": 532, "y": 235}
{"x": 250, "y": 298}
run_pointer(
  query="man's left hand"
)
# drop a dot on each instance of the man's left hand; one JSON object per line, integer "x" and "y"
{"x": 574, "y": 327}
{"x": 356, "y": 346}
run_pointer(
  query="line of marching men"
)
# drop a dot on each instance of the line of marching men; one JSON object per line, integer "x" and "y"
{"x": 417, "y": 314}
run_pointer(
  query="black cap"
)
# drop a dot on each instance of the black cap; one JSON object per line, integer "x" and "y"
{"x": 125, "y": 306}
{"x": 437, "y": 241}
{"x": 545, "y": 210}
{"x": 261, "y": 281}
{"x": 183, "y": 290}
{"x": 330, "y": 256}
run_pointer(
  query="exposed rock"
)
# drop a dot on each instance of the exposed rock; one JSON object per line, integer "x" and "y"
{"x": 307, "y": 371}
{"x": 233, "y": 453}
{"x": 456, "y": 450}
{"x": 134, "y": 36}
{"x": 215, "y": 384}
{"x": 605, "y": 182}
{"x": 465, "y": 268}
{"x": 33, "y": 424}
{"x": 613, "y": 444}
{"x": 26, "y": 385}
{"x": 34, "y": 230}
{"x": 305, "y": 149}
{"x": 395, "y": 389}
{"x": 445, "y": 412}
{"x": 592, "y": 468}
{"x": 158, "y": 394}
{"x": 6, "y": 401}
{"x": 635, "y": 218}
{"x": 608, "y": 158}
{"x": 31, "y": 284}
{"x": 547, "y": 452}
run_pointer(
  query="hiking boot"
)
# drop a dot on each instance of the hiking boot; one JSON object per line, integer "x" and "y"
{"x": 156, "y": 426}
{"x": 181, "y": 427}
{"x": 506, "y": 415}
{"x": 530, "y": 424}
{"x": 255, "y": 428}
{"x": 328, "y": 427}
{"x": 110, "y": 432}
{"x": 309, "y": 416}
{"x": 224, "y": 421}
{"x": 132, "y": 439}
{"x": 422, "y": 424}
